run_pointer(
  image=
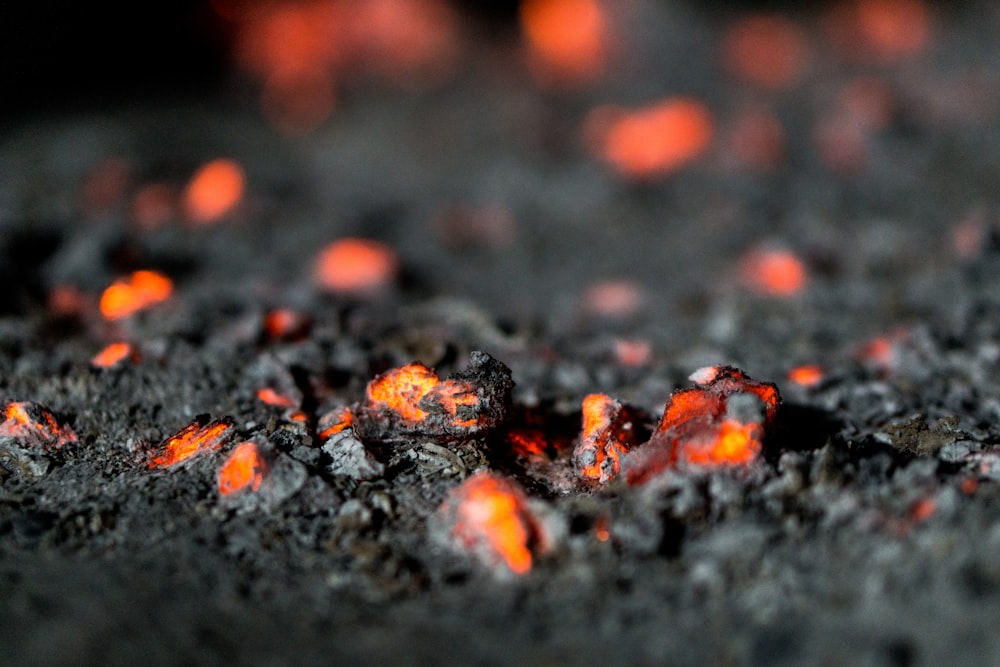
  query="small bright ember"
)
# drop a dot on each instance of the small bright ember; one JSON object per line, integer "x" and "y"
{"x": 33, "y": 424}
{"x": 489, "y": 516}
{"x": 633, "y": 353}
{"x": 764, "y": 50}
{"x": 809, "y": 375}
{"x": 528, "y": 443}
{"x": 718, "y": 422}
{"x": 245, "y": 468}
{"x": 272, "y": 397}
{"x": 112, "y": 355}
{"x": 356, "y": 266}
{"x": 334, "y": 422}
{"x": 607, "y": 435}
{"x": 137, "y": 292}
{"x": 881, "y": 30}
{"x": 567, "y": 40}
{"x": 403, "y": 390}
{"x": 923, "y": 509}
{"x": 214, "y": 191}
{"x": 286, "y": 324}
{"x": 190, "y": 440}
{"x": 774, "y": 272}
{"x": 653, "y": 141}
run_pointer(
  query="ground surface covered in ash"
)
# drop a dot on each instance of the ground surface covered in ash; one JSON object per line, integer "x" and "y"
{"x": 867, "y": 531}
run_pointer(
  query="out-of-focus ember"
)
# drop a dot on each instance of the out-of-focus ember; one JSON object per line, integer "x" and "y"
{"x": 719, "y": 421}
{"x": 756, "y": 139}
{"x": 113, "y": 355}
{"x": 334, "y": 422}
{"x": 652, "y": 141}
{"x": 632, "y": 353}
{"x": 33, "y": 425}
{"x": 214, "y": 191}
{"x": 194, "y": 438}
{"x": 271, "y": 397}
{"x": 880, "y": 30}
{"x": 774, "y": 272}
{"x": 105, "y": 185}
{"x": 356, "y": 266}
{"x": 613, "y": 298}
{"x": 607, "y": 435}
{"x": 567, "y": 40}
{"x": 243, "y": 469}
{"x": 137, "y": 292}
{"x": 153, "y": 206}
{"x": 285, "y": 324}
{"x": 68, "y": 301}
{"x": 412, "y": 399}
{"x": 769, "y": 51}
{"x": 808, "y": 375}
{"x": 489, "y": 517}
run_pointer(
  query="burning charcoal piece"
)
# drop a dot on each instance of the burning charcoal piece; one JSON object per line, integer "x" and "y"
{"x": 244, "y": 469}
{"x": 31, "y": 425}
{"x": 334, "y": 422}
{"x": 194, "y": 438}
{"x": 720, "y": 421}
{"x": 255, "y": 475}
{"x": 412, "y": 400}
{"x": 489, "y": 517}
{"x": 606, "y": 437}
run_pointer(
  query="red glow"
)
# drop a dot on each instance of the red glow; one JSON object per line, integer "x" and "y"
{"x": 806, "y": 376}
{"x": 286, "y": 324}
{"x": 652, "y": 141}
{"x": 244, "y": 468}
{"x": 757, "y": 139}
{"x": 528, "y": 443}
{"x": 139, "y": 291}
{"x": 601, "y": 529}
{"x": 214, "y": 191}
{"x": 734, "y": 443}
{"x": 299, "y": 101}
{"x": 633, "y": 353}
{"x": 490, "y": 518}
{"x": 33, "y": 424}
{"x": 112, "y": 355}
{"x": 606, "y": 436}
{"x": 567, "y": 40}
{"x": 774, "y": 272}
{"x": 613, "y": 298}
{"x": 923, "y": 509}
{"x": 271, "y": 397}
{"x": 969, "y": 485}
{"x": 767, "y": 51}
{"x": 334, "y": 422}
{"x": 105, "y": 185}
{"x": 880, "y": 30}
{"x": 68, "y": 301}
{"x": 356, "y": 266}
{"x": 190, "y": 440}
{"x": 153, "y": 206}
{"x": 401, "y": 390}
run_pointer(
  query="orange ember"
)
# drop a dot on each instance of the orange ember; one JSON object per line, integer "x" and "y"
{"x": 528, "y": 443}
{"x": 492, "y": 519}
{"x": 139, "y": 291}
{"x": 402, "y": 389}
{"x": 923, "y": 509}
{"x": 272, "y": 397}
{"x": 30, "y": 422}
{"x": 112, "y": 355}
{"x": 601, "y": 529}
{"x": 881, "y": 30}
{"x": 767, "y": 51}
{"x": 567, "y": 40}
{"x": 214, "y": 191}
{"x": 190, "y": 440}
{"x": 68, "y": 301}
{"x": 774, "y": 272}
{"x": 710, "y": 424}
{"x": 806, "y": 376}
{"x": 613, "y": 298}
{"x": 335, "y": 422}
{"x": 606, "y": 436}
{"x": 244, "y": 468}
{"x": 633, "y": 353}
{"x": 285, "y": 324}
{"x": 653, "y": 141}
{"x": 756, "y": 139}
{"x": 153, "y": 206}
{"x": 356, "y": 266}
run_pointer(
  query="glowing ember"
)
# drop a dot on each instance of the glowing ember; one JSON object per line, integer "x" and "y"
{"x": 285, "y": 324}
{"x": 528, "y": 443}
{"x": 767, "y": 51}
{"x": 653, "y": 141}
{"x": 806, "y": 376}
{"x": 68, "y": 301}
{"x": 105, "y": 185}
{"x": 567, "y": 40}
{"x": 413, "y": 399}
{"x": 356, "y": 266}
{"x": 112, "y": 355}
{"x": 32, "y": 424}
{"x": 774, "y": 272}
{"x": 138, "y": 292}
{"x": 613, "y": 298}
{"x": 720, "y": 421}
{"x": 153, "y": 206}
{"x": 272, "y": 397}
{"x": 193, "y": 439}
{"x": 633, "y": 353}
{"x": 245, "y": 468}
{"x": 601, "y": 529}
{"x": 607, "y": 435}
{"x": 923, "y": 509}
{"x": 756, "y": 139}
{"x": 882, "y": 30}
{"x": 334, "y": 422}
{"x": 488, "y": 516}
{"x": 214, "y": 191}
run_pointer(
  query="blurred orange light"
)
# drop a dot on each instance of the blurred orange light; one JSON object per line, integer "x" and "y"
{"x": 355, "y": 266}
{"x": 214, "y": 191}
{"x": 112, "y": 355}
{"x": 244, "y": 468}
{"x": 139, "y": 291}
{"x": 567, "y": 40}
{"x": 613, "y": 298}
{"x": 767, "y": 51}
{"x": 774, "y": 272}
{"x": 806, "y": 376}
{"x": 153, "y": 206}
{"x": 652, "y": 141}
